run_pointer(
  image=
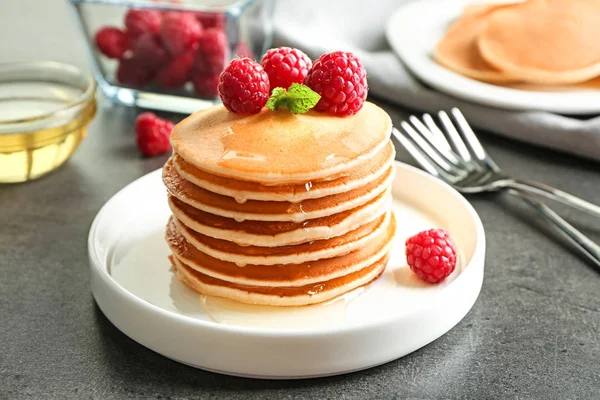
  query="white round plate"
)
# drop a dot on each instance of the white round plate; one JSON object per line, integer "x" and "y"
{"x": 396, "y": 315}
{"x": 414, "y": 30}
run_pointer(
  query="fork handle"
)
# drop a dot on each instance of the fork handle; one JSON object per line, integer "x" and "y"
{"x": 537, "y": 188}
{"x": 584, "y": 244}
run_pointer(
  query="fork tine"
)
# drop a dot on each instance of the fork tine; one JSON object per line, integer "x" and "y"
{"x": 416, "y": 153}
{"x": 472, "y": 140}
{"x": 431, "y": 152}
{"x": 455, "y": 138}
{"x": 436, "y": 140}
{"x": 433, "y": 128}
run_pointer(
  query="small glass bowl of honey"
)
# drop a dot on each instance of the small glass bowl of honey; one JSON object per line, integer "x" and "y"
{"x": 45, "y": 109}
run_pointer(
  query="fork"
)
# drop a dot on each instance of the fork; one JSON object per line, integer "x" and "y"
{"x": 467, "y": 167}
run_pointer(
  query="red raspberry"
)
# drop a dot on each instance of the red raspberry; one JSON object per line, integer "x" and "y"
{"x": 341, "y": 80}
{"x": 206, "y": 85}
{"x": 285, "y": 66}
{"x": 212, "y": 52}
{"x": 152, "y": 134}
{"x": 111, "y": 41}
{"x": 244, "y": 86}
{"x": 177, "y": 71}
{"x": 211, "y": 20}
{"x": 431, "y": 255}
{"x": 180, "y": 32}
{"x": 139, "y": 22}
{"x": 149, "y": 52}
{"x": 132, "y": 72}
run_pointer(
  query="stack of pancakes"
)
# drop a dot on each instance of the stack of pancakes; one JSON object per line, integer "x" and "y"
{"x": 280, "y": 209}
{"x": 543, "y": 42}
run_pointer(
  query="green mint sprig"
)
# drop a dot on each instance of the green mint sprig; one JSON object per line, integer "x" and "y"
{"x": 298, "y": 98}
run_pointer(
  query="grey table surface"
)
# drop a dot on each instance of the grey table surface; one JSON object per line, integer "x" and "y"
{"x": 534, "y": 332}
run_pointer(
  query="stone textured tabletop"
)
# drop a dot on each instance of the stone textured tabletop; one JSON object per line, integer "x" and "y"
{"x": 534, "y": 332}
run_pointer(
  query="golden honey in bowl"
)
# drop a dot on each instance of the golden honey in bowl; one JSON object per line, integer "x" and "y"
{"x": 45, "y": 108}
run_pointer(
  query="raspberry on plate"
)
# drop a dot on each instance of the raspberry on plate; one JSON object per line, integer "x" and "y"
{"x": 111, "y": 41}
{"x": 177, "y": 71}
{"x": 206, "y": 85}
{"x": 139, "y": 22}
{"x": 341, "y": 80}
{"x": 244, "y": 86}
{"x": 134, "y": 73}
{"x": 212, "y": 52}
{"x": 180, "y": 32}
{"x": 149, "y": 51}
{"x": 285, "y": 66}
{"x": 431, "y": 255}
{"x": 152, "y": 134}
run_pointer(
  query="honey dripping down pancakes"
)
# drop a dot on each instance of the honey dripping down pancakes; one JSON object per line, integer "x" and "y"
{"x": 277, "y": 208}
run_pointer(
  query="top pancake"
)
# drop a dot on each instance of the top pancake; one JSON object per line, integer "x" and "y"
{"x": 280, "y": 147}
{"x": 544, "y": 41}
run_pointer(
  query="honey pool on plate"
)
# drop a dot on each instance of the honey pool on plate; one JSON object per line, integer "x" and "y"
{"x": 144, "y": 271}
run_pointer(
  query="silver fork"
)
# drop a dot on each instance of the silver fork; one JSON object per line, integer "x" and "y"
{"x": 467, "y": 167}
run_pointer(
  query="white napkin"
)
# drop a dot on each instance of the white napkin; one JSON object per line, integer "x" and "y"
{"x": 317, "y": 26}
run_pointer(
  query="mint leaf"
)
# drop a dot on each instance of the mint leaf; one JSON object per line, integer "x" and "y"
{"x": 277, "y": 97}
{"x": 298, "y": 98}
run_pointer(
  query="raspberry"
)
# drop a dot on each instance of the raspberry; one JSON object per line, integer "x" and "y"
{"x": 139, "y": 22}
{"x": 285, "y": 66}
{"x": 152, "y": 134}
{"x": 149, "y": 52}
{"x": 212, "y": 52}
{"x": 180, "y": 32}
{"x": 431, "y": 255}
{"x": 177, "y": 71}
{"x": 341, "y": 80}
{"x": 206, "y": 85}
{"x": 244, "y": 86}
{"x": 132, "y": 72}
{"x": 211, "y": 20}
{"x": 111, "y": 41}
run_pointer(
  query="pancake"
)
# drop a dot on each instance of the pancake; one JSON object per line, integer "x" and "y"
{"x": 295, "y": 254}
{"x": 225, "y": 206}
{"x": 282, "y": 275}
{"x": 557, "y": 46}
{"x": 246, "y": 190}
{"x": 281, "y": 147}
{"x": 278, "y": 233}
{"x": 277, "y": 296}
{"x": 458, "y": 49}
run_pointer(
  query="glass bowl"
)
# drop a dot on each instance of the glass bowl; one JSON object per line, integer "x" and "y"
{"x": 133, "y": 75}
{"x": 45, "y": 110}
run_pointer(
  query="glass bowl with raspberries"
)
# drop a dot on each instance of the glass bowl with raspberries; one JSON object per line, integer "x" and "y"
{"x": 168, "y": 54}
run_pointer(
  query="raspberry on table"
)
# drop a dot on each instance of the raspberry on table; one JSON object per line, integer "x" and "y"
{"x": 341, "y": 80}
{"x": 132, "y": 72}
{"x": 212, "y": 52}
{"x": 206, "y": 85}
{"x": 285, "y": 66}
{"x": 152, "y": 134}
{"x": 139, "y": 22}
{"x": 177, "y": 71}
{"x": 244, "y": 86}
{"x": 431, "y": 255}
{"x": 180, "y": 32}
{"x": 111, "y": 41}
{"x": 149, "y": 51}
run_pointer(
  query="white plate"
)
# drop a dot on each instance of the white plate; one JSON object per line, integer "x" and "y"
{"x": 396, "y": 315}
{"x": 414, "y": 30}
